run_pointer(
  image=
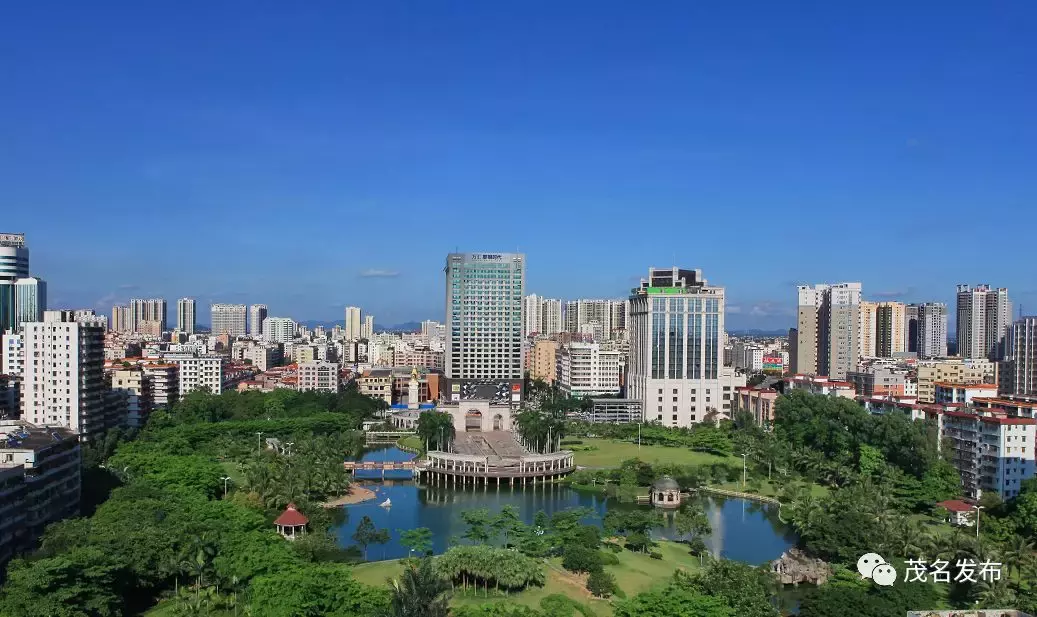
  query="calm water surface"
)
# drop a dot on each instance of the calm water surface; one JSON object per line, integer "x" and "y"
{"x": 742, "y": 530}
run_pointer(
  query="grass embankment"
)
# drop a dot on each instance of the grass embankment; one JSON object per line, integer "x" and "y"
{"x": 767, "y": 489}
{"x": 612, "y": 452}
{"x": 635, "y": 573}
{"x": 413, "y": 442}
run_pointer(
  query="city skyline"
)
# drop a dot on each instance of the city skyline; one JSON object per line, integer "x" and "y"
{"x": 705, "y": 119}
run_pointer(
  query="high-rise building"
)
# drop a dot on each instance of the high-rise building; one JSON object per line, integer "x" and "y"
{"x": 533, "y": 316}
{"x": 228, "y": 319}
{"x": 931, "y": 330}
{"x": 14, "y": 265}
{"x": 186, "y": 320}
{"x": 30, "y": 299}
{"x": 484, "y": 298}
{"x": 353, "y": 323}
{"x": 911, "y": 327}
{"x": 867, "y": 337}
{"x": 551, "y": 310}
{"x": 367, "y": 329}
{"x": 889, "y": 329}
{"x": 150, "y": 310}
{"x": 12, "y": 354}
{"x": 257, "y": 314}
{"x": 278, "y": 329}
{"x": 675, "y": 363}
{"x": 64, "y": 384}
{"x": 1019, "y": 372}
{"x": 585, "y": 369}
{"x": 828, "y": 330}
{"x": 121, "y": 319}
{"x": 984, "y": 317}
{"x": 594, "y": 315}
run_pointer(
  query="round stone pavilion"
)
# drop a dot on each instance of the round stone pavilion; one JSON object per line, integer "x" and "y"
{"x": 666, "y": 493}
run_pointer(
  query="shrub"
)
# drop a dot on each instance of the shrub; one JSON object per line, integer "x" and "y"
{"x": 601, "y": 584}
{"x": 608, "y": 558}
{"x": 655, "y": 555}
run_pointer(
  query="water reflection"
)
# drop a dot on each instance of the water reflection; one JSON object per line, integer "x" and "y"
{"x": 742, "y": 530}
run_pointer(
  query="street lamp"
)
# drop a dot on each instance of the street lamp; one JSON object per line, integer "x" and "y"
{"x": 743, "y": 470}
{"x": 638, "y": 435}
{"x": 259, "y": 441}
{"x": 977, "y": 509}
{"x": 225, "y": 480}
{"x": 288, "y": 447}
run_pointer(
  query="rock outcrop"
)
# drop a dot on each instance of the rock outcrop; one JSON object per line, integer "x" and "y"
{"x": 795, "y": 567}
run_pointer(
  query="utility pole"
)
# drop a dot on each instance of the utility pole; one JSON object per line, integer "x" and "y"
{"x": 743, "y": 471}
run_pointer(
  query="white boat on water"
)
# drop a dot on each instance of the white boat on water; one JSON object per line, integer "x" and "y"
{"x": 387, "y": 503}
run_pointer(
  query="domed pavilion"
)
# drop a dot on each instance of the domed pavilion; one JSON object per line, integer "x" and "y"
{"x": 666, "y": 493}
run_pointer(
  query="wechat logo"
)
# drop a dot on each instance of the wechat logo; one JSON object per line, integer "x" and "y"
{"x": 873, "y": 566}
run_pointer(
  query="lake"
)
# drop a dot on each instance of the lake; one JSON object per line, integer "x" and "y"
{"x": 742, "y": 530}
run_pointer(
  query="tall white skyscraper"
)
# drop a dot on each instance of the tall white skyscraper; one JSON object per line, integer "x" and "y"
{"x": 367, "y": 328}
{"x": 932, "y": 330}
{"x": 675, "y": 365}
{"x": 228, "y": 319}
{"x": 984, "y": 317}
{"x": 64, "y": 384}
{"x": 257, "y": 314}
{"x": 533, "y": 318}
{"x": 30, "y": 299}
{"x": 484, "y": 306}
{"x": 278, "y": 329}
{"x": 353, "y": 323}
{"x": 14, "y": 264}
{"x": 551, "y": 310}
{"x": 186, "y": 320}
{"x": 826, "y": 341}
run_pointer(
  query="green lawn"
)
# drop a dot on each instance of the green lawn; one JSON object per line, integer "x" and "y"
{"x": 768, "y": 489}
{"x": 412, "y": 441}
{"x": 635, "y": 573}
{"x": 237, "y": 480}
{"x": 610, "y": 453}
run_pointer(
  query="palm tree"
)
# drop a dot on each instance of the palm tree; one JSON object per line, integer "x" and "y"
{"x": 419, "y": 592}
{"x": 1018, "y": 551}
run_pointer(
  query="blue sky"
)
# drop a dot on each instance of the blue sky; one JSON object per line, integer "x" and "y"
{"x": 312, "y": 155}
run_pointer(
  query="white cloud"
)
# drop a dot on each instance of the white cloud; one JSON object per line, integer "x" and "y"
{"x": 379, "y": 273}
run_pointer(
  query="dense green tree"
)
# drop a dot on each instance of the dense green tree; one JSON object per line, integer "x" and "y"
{"x": 367, "y": 534}
{"x": 436, "y": 429}
{"x": 80, "y": 583}
{"x": 419, "y": 592}
{"x": 579, "y": 558}
{"x": 417, "y": 540}
{"x": 672, "y": 601}
{"x": 506, "y": 523}
{"x": 601, "y": 583}
{"x": 738, "y": 585}
{"x": 478, "y": 521}
{"x": 871, "y": 601}
{"x": 315, "y": 590}
{"x": 485, "y": 566}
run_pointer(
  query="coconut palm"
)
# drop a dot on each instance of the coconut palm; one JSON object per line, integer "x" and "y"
{"x": 419, "y": 592}
{"x": 1018, "y": 552}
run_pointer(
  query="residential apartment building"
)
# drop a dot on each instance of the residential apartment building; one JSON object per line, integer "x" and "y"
{"x": 890, "y": 338}
{"x": 931, "y": 330}
{"x": 197, "y": 372}
{"x": 164, "y": 382}
{"x": 150, "y": 310}
{"x": 121, "y": 319}
{"x": 551, "y": 314}
{"x": 821, "y": 385}
{"x": 759, "y": 402}
{"x": 257, "y": 316}
{"x": 614, "y": 411}
{"x": 984, "y": 318}
{"x": 911, "y": 327}
{"x": 318, "y": 376}
{"x": 353, "y": 323}
{"x": 675, "y": 365}
{"x": 878, "y": 381}
{"x": 991, "y": 452}
{"x": 186, "y": 315}
{"x": 963, "y": 394}
{"x": 747, "y": 356}
{"x": 828, "y": 332}
{"x": 229, "y": 319}
{"x": 953, "y": 371}
{"x": 12, "y": 354}
{"x": 543, "y": 361}
{"x": 584, "y": 369}
{"x": 263, "y": 356}
{"x": 867, "y": 337}
{"x": 367, "y": 328}
{"x": 63, "y": 375}
{"x": 278, "y": 329}
{"x": 376, "y": 383}
{"x": 533, "y": 316}
{"x": 603, "y": 319}
{"x": 484, "y": 303}
{"x": 40, "y": 482}
{"x": 1019, "y": 370}
{"x": 133, "y": 385}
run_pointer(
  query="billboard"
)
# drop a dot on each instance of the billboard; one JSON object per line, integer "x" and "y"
{"x": 773, "y": 364}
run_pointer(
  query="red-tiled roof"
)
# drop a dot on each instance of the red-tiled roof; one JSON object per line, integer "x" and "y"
{"x": 955, "y": 505}
{"x": 291, "y": 517}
